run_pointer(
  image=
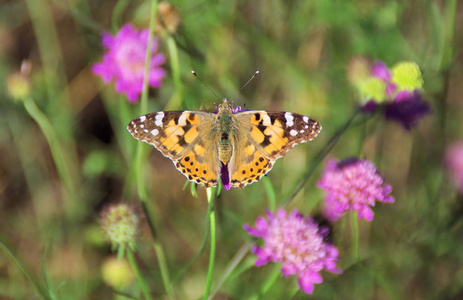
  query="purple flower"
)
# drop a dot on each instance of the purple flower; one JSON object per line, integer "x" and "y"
{"x": 296, "y": 242}
{"x": 398, "y": 88}
{"x": 381, "y": 71}
{"x": 124, "y": 61}
{"x": 369, "y": 107}
{"x": 407, "y": 108}
{"x": 352, "y": 184}
{"x": 454, "y": 163}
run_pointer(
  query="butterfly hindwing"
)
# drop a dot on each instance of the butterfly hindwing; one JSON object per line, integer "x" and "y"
{"x": 183, "y": 137}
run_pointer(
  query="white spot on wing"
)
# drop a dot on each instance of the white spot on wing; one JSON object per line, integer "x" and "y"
{"x": 158, "y": 119}
{"x": 142, "y": 119}
{"x": 154, "y": 132}
{"x": 145, "y": 130}
{"x": 306, "y": 126}
{"x": 182, "y": 120}
{"x": 301, "y": 131}
{"x": 293, "y": 132}
{"x": 289, "y": 119}
{"x": 266, "y": 120}
{"x": 306, "y": 119}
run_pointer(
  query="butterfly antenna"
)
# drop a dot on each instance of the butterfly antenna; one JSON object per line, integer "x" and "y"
{"x": 194, "y": 73}
{"x": 250, "y": 79}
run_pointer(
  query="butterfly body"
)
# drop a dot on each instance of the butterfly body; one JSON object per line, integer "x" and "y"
{"x": 234, "y": 146}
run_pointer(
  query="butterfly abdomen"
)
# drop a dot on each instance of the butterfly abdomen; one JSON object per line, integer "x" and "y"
{"x": 225, "y": 149}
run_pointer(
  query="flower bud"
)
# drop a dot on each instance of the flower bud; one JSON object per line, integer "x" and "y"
{"x": 120, "y": 225}
{"x": 170, "y": 17}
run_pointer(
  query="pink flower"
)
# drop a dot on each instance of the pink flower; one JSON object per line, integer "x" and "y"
{"x": 454, "y": 163}
{"x": 298, "y": 243}
{"x": 124, "y": 61}
{"x": 352, "y": 184}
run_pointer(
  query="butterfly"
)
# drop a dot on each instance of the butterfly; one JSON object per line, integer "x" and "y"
{"x": 239, "y": 147}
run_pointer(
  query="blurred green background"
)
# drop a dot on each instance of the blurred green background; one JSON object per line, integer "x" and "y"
{"x": 413, "y": 249}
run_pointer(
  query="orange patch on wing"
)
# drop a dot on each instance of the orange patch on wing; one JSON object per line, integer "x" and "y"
{"x": 191, "y": 135}
{"x": 249, "y": 149}
{"x": 257, "y": 135}
{"x": 199, "y": 150}
{"x": 194, "y": 119}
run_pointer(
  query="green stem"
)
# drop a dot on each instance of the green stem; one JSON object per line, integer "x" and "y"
{"x": 164, "y": 270}
{"x": 54, "y": 144}
{"x": 209, "y": 192}
{"x": 355, "y": 234}
{"x": 320, "y": 156}
{"x": 176, "y": 100}
{"x": 141, "y": 280}
{"x": 116, "y": 17}
{"x": 144, "y": 107}
{"x": 447, "y": 48}
{"x": 231, "y": 266}
{"x": 275, "y": 273}
{"x": 201, "y": 248}
{"x": 38, "y": 287}
{"x": 58, "y": 101}
{"x": 140, "y": 155}
{"x": 270, "y": 193}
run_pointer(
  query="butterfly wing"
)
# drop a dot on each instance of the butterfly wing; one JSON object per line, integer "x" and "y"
{"x": 262, "y": 138}
{"x": 185, "y": 138}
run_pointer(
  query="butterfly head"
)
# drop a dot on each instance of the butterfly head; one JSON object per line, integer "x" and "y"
{"x": 225, "y": 106}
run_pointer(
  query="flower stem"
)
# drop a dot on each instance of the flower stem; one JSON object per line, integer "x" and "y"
{"x": 320, "y": 156}
{"x": 232, "y": 266}
{"x": 271, "y": 278}
{"x": 201, "y": 248}
{"x": 139, "y": 159}
{"x": 447, "y": 48}
{"x": 270, "y": 193}
{"x": 164, "y": 269}
{"x": 209, "y": 192}
{"x": 55, "y": 148}
{"x": 39, "y": 288}
{"x": 144, "y": 288}
{"x": 175, "y": 101}
{"x": 116, "y": 17}
{"x": 355, "y": 234}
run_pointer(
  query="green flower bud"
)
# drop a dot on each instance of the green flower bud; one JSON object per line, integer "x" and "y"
{"x": 120, "y": 225}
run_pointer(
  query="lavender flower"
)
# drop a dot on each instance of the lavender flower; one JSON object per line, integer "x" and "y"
{"x": 454, "y": 163}
{"x": 296, "y": 242}
{"x": 353, "y": 184}
{"x": 124, "y": 61}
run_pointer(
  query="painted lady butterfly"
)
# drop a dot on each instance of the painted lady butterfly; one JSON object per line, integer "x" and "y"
{"x": 239, "y": 146}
